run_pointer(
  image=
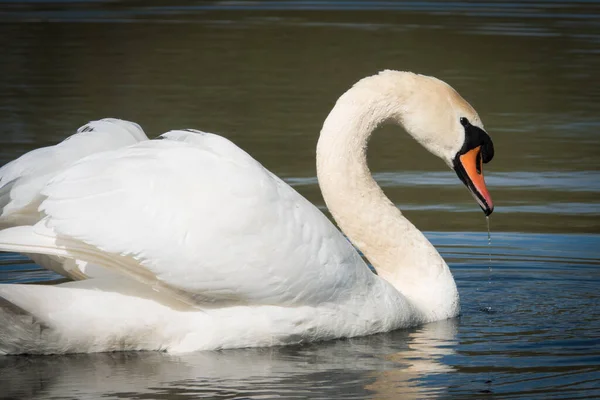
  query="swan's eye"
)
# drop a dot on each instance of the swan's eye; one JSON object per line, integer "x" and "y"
{"x": 464, "y": 122}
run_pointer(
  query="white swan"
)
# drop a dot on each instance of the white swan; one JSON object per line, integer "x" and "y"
{"x": 208, "y": 250}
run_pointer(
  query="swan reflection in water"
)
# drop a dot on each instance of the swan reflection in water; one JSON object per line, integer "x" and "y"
{"x": 379, "y": 366}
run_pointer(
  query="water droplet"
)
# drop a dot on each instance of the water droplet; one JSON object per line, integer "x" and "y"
{"x": 488, "y": 310}
{"x": 487, "y": 220}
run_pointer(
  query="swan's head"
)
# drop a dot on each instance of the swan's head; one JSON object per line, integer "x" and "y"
{"x": 446, "y": 124}
{"x": 430, "y": 111}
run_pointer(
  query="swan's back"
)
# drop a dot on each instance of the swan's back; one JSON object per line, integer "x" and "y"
{"x": 202, "y": 216}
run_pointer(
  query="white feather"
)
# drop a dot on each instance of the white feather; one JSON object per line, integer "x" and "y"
{"x": 210, "y": 250}
{"x": 232, "y": 230}
{"x": 22, "y": 180}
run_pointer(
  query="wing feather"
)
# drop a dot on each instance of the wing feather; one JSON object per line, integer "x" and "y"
{"x": 204, "y": 217}
{"x": 21, "y": 180}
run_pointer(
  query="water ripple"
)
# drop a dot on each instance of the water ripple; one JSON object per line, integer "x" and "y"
{"x": 584, "y": 181}
{"x": 541, "y": 341}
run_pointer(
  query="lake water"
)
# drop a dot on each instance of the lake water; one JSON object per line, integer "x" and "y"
{"x": 265, "y": 74}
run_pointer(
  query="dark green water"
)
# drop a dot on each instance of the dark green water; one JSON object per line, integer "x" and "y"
{"x": 265, "y": 74}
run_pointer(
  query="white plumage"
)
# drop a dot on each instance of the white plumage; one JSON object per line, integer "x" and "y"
{"x": 188, "y": 243}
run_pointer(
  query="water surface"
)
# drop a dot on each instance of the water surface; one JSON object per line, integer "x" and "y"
{"x": 265, "y": 74}
{"x": 529, "y": 329}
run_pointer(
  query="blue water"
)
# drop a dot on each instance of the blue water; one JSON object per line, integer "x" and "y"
{"x": 529, "y": 328}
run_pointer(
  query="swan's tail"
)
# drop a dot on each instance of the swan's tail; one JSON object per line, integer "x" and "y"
{"x": 88, "y": 316}
{"x": 21, "y": 332}
{"x": 22, "y": 328}
{"x": 92, "y": 315}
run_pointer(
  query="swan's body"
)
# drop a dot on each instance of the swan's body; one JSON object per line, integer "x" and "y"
{"x": 191, "y": 244}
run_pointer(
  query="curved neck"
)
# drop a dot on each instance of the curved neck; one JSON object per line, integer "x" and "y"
{"x": 398, "y": 251}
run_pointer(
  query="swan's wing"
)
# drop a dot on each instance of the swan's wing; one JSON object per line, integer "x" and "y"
{"x": 21, "y": 180}
{"x": 201, "y": 216}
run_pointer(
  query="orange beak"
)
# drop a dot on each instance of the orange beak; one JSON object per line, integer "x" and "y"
{"x": 469, "y": 168}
